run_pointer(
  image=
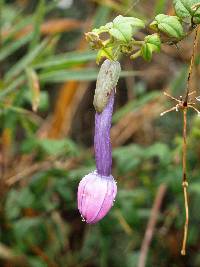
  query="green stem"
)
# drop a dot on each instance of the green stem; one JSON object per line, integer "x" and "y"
{"x": 136, "y": 55}
{"x": 139, "y": 43}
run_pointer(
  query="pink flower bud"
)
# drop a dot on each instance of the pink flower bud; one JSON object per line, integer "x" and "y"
{"x": 96, "y": 195}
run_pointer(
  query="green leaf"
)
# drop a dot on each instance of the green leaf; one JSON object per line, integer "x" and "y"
{"x": 196, "y": 16}
{"x": 50, "y": 146}
{"x": 128, "y": 157}
{"x": 101, "y": 16}
{"x": 44, "y": 99}
{"x": 8, "y": 14}
{"x": 25, "y": 230}
{"x": 17, "y": 27}
{"x": 68, "y": 75}
{"x": 58, "y": 147}
{"x": 195, "y": 188}
{"x": 123, "y": 33}
{"x": 36, "y": 262}
{"x": 134, "y": 22}
{"x": 12, "y": 208}
{"x": 154, "y": 40}
{"x": 184, "y": 8}
{"x": 10, "y": 48}
{"x": 28, "y": 145}
{"x": 89, "y": 74}
{"x": 66, "y": 60}
{"x": 25, "y": 61}
{"x": 147, "y": 51}
{"x": 152, "y": 44}
{"x": 170, "y": 25}
{"x": 80, "y": 172}
{"x": 38, "y": 18}
{"x": 64, "y": 190}
{"x": 134, "y": 105}
{"x": 122, "y": 28}
{"x": 12, "y": 86}
{"x": 159, "y": 150}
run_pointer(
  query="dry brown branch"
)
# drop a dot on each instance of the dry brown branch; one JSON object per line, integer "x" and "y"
{"x": 41, "y": 254}
{"x": 69, "y": 98}
{"x": 41, "y": 166}
{"x": 8, "y": 255}
{"x": 62, "y": 107}
{"x": 133, "y": 121}
{"x": 151, "y": 225}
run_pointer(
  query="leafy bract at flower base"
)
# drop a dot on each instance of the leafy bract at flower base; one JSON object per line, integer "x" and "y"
{"x": 107, "y": 80}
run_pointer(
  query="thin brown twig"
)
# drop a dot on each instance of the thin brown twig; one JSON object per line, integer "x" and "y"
{"x": 184, "y": 152}
{"x": 191, "y": 63}
{"x": 151, "y": 225}
{"x": 41, "y": 254}
{"x": 30, "y": 170}
{"x": 184, "y": 182}
{"x": 9, "y": 255}
{"x": 183, "y": 105}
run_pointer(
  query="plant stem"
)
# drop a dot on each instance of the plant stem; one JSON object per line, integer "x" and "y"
{"x": 191, "y": 64}
{"x": 1, "y": 12}
{"x": 184, "y": 182}
{"x": 139, "y": 43}
{"x": 137, "y": 54}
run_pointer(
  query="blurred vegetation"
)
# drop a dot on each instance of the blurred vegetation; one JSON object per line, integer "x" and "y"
{"x": 47, "y": 81}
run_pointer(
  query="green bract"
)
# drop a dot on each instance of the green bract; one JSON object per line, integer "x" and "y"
{"x": 122, "y": 28}
{"x": 170, "y": 25}
{"x": 186, "y": 8}
{"x": 151, "y": 44}
{"x": 106, "y": 82}
{"x": 105, "y": 52}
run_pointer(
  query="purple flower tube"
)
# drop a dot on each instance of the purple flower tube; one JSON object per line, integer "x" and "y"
{"x": 98, "y": 189}
{"x": 102, "y": 143}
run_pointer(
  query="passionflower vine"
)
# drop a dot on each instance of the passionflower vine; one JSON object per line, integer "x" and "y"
{"x": 98, "y": 189}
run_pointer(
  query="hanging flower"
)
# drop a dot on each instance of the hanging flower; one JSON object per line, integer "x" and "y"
{"x": 98, "y": 189}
